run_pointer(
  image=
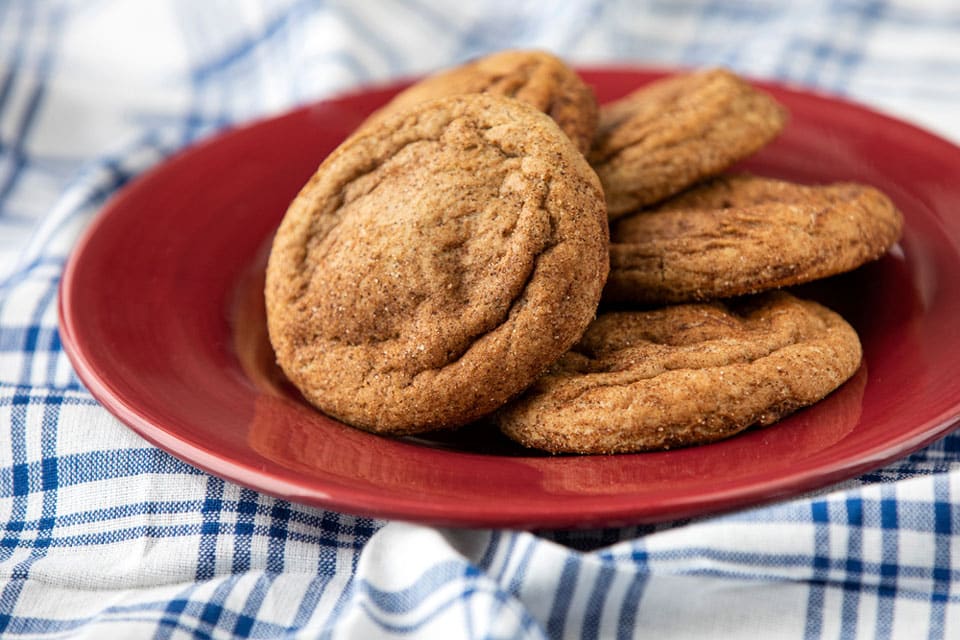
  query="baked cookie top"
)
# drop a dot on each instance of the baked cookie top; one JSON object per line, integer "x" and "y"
{"x": 535, "y": 77}
{"x": 744, "y": 234}
{"x": 674, "y": 132}
{"x": 685, "y": 375}
{"x": 436, "y": 264}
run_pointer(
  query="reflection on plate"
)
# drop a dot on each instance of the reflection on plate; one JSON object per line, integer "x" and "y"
{"x": 168, "y": 334}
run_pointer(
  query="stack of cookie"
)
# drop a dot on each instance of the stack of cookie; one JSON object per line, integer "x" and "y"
{"x": 447, "y": 262}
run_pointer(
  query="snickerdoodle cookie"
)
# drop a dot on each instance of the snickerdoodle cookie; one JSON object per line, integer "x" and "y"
{"x": 744, "y": 234}
{"x": 674, "y": 132}
{"x": 535, "y": 77}
{"x": 685, "y": 375}
{"x": 436, "y": 264}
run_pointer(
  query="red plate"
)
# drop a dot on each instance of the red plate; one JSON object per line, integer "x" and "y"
{"x": 162, "y": 315}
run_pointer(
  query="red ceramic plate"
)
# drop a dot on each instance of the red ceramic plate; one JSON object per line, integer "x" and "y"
{"x": 162, "y": 316}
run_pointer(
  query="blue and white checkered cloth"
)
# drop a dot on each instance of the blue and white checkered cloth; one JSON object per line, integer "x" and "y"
{"x": 105, "y": 536}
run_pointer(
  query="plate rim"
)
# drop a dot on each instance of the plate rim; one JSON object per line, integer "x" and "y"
{"x": 361, "y": 502}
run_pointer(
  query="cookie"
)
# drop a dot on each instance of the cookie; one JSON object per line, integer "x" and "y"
{"x": 685, "y": 375}
{"x": 744, "y": 234}
{"x": 535, "y": 77}
{"x": 674, "y": 132}
{"x": 436, "y": 264}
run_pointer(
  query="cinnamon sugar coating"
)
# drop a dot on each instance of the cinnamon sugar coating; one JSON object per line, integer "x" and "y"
{"x": 436, "y": 264}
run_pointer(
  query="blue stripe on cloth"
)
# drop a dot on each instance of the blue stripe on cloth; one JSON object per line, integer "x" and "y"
{"x": 54, "y": 347}
{"x": 339, "y": 607}
{"x": 253, "y": 602}
{"x": 853, "y": 567}
{"x": 210, "y": 529}
{"x": 14, "y": 394}
{"x": 837, "y": 565}
{"x": 406, "y": 599}
{"x": 595, "y": 603}
{"x": 202, "y": 614}
{"x": 279, "y": 521}
{"x": 20, "y": 492}
{"x": 470, "y": 575}
{"x": 821, "y": 562}
{"x": 493, "y": 543}
{"x": 359, "y": 532}
{"x": 75, "y": 469}
{"x": 44, "y": 531}
{"x": 183, "y": 616}
{"x": 927, "y": 17}
{"x": 195, "y": 121}
{"x": 557, "y": 620}
{"x": 104, "y": 535}
{"x": 127, "y": 510}
{"x": 519, "y": 572}
{"x": 16, "y": 221}
{"x": 34, "y": 270}
{"x": 890, "y": 553}
{"x": 424, "y": 618}
{"x": 503, "y": 556}
{"x": 213, "y": 610}
{"x": 207, "y": 556}
{"x": 28, "y": 625}
{"x": 17, "y": 149}
{"x": 15, "y": 59}
{"x": 31, "y": 341}
{"x": 275, "y": 26}
{"x": 626, "y": 622}
{"x": 244, "y": 625}
{"x": 109, "y": 536}
{"x": 383, "y": 607}
{"x": 752, "y": 563}
{"x": 496, "y": 561}
{"x": 246, "y": 511}
{"x": 19, "y": 483}
{"x": 170, "y": 620}
{"x": 49, "y": 474}
{"x": 947, "y": 445}
{"x": 942, "y": 553}
{"x": 517, "y": 575}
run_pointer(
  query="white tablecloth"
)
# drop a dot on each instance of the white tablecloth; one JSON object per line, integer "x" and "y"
{"x": 103, "y": 535}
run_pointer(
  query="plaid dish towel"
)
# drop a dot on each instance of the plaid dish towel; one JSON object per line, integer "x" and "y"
{"x": 105, "y": 536}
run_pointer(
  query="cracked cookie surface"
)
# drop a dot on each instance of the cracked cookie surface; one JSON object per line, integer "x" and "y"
{"x": 684, "y": 375}
{"x": 535, "y": 77}
{"x": 436, "y": 264}
{"x": 674, "y": 132}
{"x": 741, "y": 234}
